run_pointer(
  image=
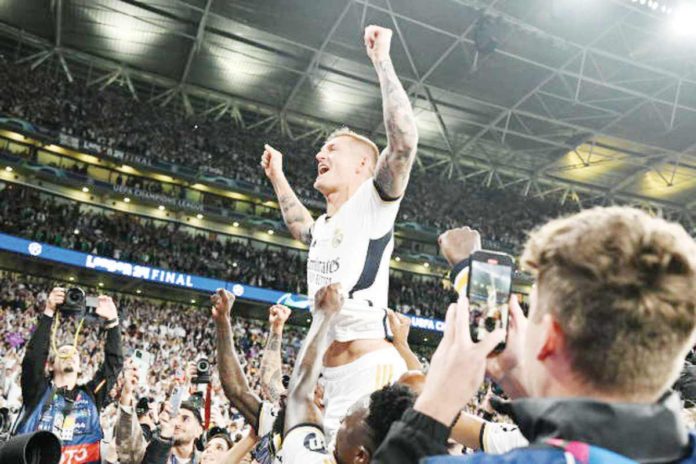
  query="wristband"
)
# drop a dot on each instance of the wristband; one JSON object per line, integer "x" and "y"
{"x": 460, "y": 275}
{"x": 111, "y": 323}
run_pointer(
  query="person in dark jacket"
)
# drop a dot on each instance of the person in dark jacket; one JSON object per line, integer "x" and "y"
{"x": 55, "y": 402}
{"x": 612, "y": 317}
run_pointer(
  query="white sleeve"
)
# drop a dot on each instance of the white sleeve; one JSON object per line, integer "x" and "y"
{"x": 379, "y": 214}
{"x": 501, "y": 438}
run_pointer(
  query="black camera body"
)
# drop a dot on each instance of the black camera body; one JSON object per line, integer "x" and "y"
{"x": 202, "y": 372}
{"x": 77, "y": 303}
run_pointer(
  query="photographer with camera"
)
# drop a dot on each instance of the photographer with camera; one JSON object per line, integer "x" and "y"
{"x": 52, "y": 400}
{"x": 174, "y": 439}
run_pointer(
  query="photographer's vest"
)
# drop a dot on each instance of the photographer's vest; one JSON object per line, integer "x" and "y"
{"x": 75, "y": 422}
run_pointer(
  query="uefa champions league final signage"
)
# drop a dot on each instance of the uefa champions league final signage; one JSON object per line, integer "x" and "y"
{"x": 177, "y": 279}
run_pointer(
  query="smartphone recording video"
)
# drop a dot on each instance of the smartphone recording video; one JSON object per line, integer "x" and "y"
{"x": 489, "y": 287}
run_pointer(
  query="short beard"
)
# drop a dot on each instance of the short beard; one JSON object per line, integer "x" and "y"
{"x": 179, "y": 442}
{"x": 68, "y": 370}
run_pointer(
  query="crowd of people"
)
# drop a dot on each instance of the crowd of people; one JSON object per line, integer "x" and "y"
{"x": 173, "y": 334}
{"x": 167, "y": 245}
{"x": 112, "y": 118}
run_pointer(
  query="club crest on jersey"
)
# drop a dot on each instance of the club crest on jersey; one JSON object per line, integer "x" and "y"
{"x": 337, "y": 238}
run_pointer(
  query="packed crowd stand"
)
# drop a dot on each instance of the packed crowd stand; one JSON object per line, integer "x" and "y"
{"x": 168, "y": 245}
{"x": 112, "y": 118}
{"x": 174, "y": 334}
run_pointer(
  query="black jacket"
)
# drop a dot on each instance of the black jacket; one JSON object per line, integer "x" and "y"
{"x": 34, "y": 381}
{"x": 157, "y": 451}
{"x": 652, "y": 433}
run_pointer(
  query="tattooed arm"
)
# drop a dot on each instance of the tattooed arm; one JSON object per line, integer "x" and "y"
{"x": 234, "y": 382}
{"x": 295, "y": 215}
{"x": 271, "y": 365}
{"x": 395, "y": 162}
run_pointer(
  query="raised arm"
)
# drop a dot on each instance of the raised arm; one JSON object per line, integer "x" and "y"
{"x": 400, "y": 326}
{"x": 106, "y": 376}
{"x": 395, "y": 162}
{"x": 300, "y": 407}
{"x": 234, "y": 382}
{"x": 271, "y": 364}
{"x": 33, "y": 380}
{"x": 295, "y": 215}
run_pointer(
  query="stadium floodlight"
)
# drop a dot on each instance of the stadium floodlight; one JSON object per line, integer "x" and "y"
{"x": 126, "y": 200}
{"x": 426, "y": 265}
{"x": 235, "y": 224}
{"x": 199, "y": 216}
{"x": 128, "y": 31}
{"x": 397, "y": 259}
{"x": 161, "y": 207}
{"x": 76, "y": 231}
{"x": 193, "y": 301}
{"x": 8, "y": 168}
{"x": 138, "y": 291}
{"x": 684, "y": 19}
{"x": 85, "y": 189}
{"x": 270, "y": 232}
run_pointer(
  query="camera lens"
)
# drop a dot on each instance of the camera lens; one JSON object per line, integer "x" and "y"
{"x": 75, "y": 295}
{"x": 203, "y": 366}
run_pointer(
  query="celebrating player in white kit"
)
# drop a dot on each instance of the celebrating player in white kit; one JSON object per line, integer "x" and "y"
{"x": 352, "y": 243}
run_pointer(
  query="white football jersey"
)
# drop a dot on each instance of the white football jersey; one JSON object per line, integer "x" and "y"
{"x": 354, "y": 247}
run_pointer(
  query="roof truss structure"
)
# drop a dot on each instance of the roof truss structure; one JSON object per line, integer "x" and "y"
{"x": 595, "y": 116}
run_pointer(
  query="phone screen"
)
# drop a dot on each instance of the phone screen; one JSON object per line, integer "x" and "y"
{"x": 490, "y": 283}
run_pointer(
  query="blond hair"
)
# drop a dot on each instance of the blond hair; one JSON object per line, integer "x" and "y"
{"x": 347, "y": 132}
{"x": 622, "y": 286}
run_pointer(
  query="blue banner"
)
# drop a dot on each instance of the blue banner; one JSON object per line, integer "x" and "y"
{"x": 162, "y": 276}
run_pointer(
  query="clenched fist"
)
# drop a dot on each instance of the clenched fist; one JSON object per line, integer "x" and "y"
{"x": 222, "y": 301}
{"x": 272, "y": 162}
{"x": 458, "y": 244}
{"x": 377, "y": 43}
{"x": 329, "y": 300}
{"x": 278, "y": 316}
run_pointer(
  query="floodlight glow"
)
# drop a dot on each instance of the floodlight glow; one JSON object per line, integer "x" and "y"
{"x": 237, "y": 68}
{"x": 124, "y": 31}
{"x": 684, "y": 20}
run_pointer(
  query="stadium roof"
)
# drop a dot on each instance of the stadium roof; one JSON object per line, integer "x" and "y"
{"x": 566, "y": 96}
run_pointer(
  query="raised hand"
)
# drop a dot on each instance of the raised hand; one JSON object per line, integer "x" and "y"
{"x": 400, "y": 326}
{"x": 272, "y": 162}
{"x": 55, "y": 299}
{"x": 131, "y": 378}
{"x": 504, "y": 368}
{"x": 457, "y": 367}
{"x": 222, "y": 301}
{"x": 278, "y": 316}
{"x": 458, "y": 244}
{"x": 166, "y": 422}
{"x": 377, "y": 43}
{"x": 329, "y": 299}
{"x": 106, "y": 308}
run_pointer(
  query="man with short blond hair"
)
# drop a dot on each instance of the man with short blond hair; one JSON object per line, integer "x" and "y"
{"x": 612, "y": 317}
{"x": 352, "y": 243}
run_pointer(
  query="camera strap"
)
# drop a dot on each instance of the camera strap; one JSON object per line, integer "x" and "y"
{"x": 70, "y": 396}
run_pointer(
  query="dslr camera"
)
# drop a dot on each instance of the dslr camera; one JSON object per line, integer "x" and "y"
{"x": 77, "y": 303}
{"x": 202, "y": 371}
